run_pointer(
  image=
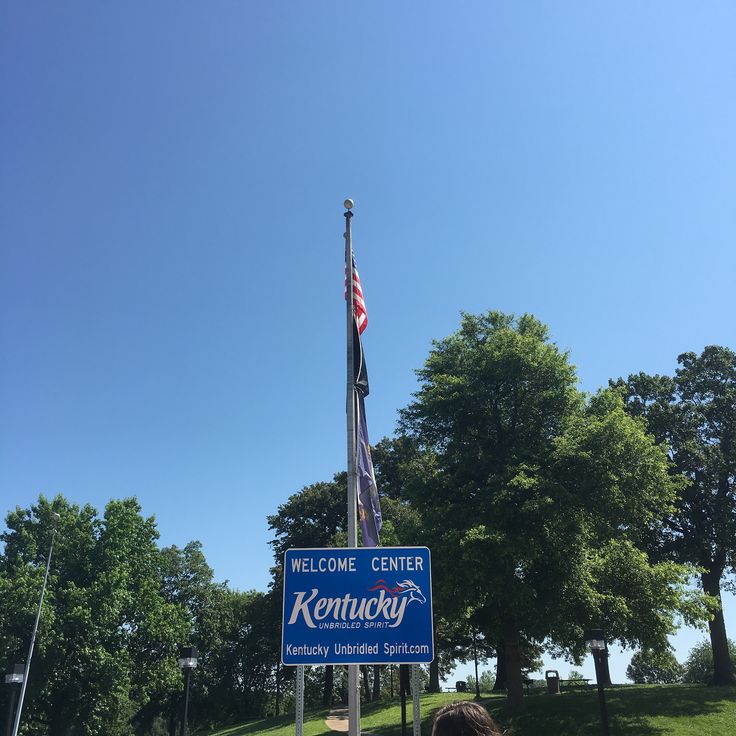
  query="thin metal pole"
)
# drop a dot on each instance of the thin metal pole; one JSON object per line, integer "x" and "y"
{"x": 350, "y": 318}
{"x": 403, "y": 684}
{"x": 352, "y": 495}
{"x": 185, "y": 714}
{"x": 604, "y": 710}
{"x": 299, "y": 699}
{"x": 416, "y": 716}
{"x": 19, "y": 712}
{"x": 597, "y": 659}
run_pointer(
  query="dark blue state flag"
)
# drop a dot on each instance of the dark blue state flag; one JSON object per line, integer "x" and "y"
{"x": 369, "y": 507}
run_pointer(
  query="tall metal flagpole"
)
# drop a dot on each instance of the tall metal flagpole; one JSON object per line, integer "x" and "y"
{"x": 18, "y": 712}
{"x": 353, "y": 670}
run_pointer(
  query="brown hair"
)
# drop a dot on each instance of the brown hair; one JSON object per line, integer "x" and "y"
{"x": 464, "y": 719}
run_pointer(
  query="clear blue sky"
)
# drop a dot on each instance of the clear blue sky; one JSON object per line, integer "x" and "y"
{"x": 171, "y": 182}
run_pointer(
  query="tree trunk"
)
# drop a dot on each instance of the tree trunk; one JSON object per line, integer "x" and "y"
{"x": 599, "y": 657}
{"x": 366, "y": 684}
{"x": 500, "y": 684}
{"x": 344, "y": 686}
{"x": 722, "y": 666}
{"x": 329, "y": 685}
{"x": 514, "y": 678}
{"x": 376, "y": 682}
{"x": 434, "y": 676}
{"x": 605, "y": 672}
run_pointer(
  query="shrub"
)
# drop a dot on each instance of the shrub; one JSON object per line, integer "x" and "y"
{"x": 654, "y": 667}
{"x": 699, "y": 663}
{"x": 487, "y": 681}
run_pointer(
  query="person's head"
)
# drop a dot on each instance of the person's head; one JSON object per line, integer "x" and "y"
{"x": 464, "y": 719}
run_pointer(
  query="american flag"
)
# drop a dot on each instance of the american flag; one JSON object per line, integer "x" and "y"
{"x": 359, "y": 310}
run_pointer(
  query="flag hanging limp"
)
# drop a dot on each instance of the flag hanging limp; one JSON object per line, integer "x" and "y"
{"x": 359, "y": 311}
{"x": 369, "y": 506}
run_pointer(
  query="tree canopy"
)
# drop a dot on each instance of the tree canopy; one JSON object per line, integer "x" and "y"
{"x": 108, "y": 638}
{"x": 116, "y": 611}
{"x": 539, "y": 499}
{"x": 693, "y": 415}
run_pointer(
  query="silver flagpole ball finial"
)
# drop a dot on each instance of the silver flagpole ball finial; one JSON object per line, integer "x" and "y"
{"x": 348, "y": 204}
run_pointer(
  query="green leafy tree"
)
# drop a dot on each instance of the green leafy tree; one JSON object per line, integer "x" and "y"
{"x": 313, "y": 517}
{"x": 619, "y": 480}
{"x": 401, "y": 464}
{"x": 486, "y": 681}
{"x": 316, "y": 516}
{"x": 654, "y": 667}
{"x": 234, "y": 632}
{"x": 693, "y": 415}
{"x": 108, "y": 638}
{"x": 242, "y": 669}
{"x": 698, "y": 667}
{"x": 534, "y": 501}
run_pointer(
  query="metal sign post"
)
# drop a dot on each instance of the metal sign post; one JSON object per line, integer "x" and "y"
{"x": 300, "y": 700}
{"x": 416, "y": 717}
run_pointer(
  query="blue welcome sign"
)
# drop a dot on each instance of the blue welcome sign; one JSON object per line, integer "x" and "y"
{"x": 365, "y": 605}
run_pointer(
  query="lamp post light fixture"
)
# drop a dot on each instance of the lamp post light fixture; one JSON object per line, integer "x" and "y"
{"x": 13, "y": 678}
{"x": 596, "y": 642}
{"x": 16, "y": 676}
{"x": 188, "y": 657}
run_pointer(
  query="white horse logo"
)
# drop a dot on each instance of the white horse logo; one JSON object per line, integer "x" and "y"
{"x": 405, "y": 587}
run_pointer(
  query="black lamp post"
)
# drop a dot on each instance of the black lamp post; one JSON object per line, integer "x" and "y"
{"x": 13, "y": 678}
{"x": 187, "y": 661}
{"x": 595, "y": 641}
{"x": 403, "y": 692}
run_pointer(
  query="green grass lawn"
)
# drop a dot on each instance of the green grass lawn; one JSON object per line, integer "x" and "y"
{"x": 657, "y": 710}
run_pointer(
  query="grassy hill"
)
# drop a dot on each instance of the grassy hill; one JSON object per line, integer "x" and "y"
{"x": 664, "y": 710}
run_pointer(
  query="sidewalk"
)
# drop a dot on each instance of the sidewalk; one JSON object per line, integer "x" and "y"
{"x": 337, "y": 720}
